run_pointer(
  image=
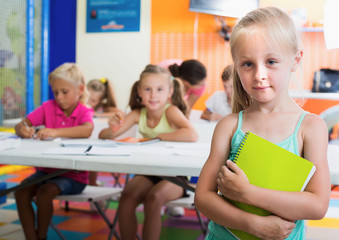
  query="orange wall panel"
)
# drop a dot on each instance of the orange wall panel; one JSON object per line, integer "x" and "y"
{"x": 173, "y": 37}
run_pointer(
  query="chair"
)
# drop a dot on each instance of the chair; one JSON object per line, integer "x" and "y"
{"x": 93, "y": 194}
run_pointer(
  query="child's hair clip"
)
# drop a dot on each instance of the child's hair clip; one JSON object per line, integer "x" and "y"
{"x": 103, "y": 80}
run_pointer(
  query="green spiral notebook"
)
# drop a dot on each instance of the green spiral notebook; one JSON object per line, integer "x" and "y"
{"x": 269, "y": 166}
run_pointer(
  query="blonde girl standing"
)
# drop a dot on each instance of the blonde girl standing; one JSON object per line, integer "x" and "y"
{"x": 266, "y": 51}
{"x": 65, "y": 116}
{"x": 158, "y": 107}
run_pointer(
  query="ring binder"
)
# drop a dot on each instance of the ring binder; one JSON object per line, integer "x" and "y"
{"x": 270, "y": 166}
{"x": 240, "y": 147}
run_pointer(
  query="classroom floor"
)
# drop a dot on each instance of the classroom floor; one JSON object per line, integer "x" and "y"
{"x": 83, "y": 223}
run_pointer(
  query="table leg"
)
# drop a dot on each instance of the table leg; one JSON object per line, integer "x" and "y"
{"x": 28, "y": 183}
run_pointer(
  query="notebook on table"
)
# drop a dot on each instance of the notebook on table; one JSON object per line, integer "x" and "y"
{"x": 91, "y": 150}
{"x": 136, "y": 141}
{"x": 267, "y": 165}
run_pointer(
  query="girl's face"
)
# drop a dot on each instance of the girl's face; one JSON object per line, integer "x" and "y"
{"x": 197, "y": 86}
{"x": 154, "y": 91}
{"x": 264, "y": 69}
{"x": 228, "y": 88}
{"x": 66, "y": 94}
{"x": 94, "y": 99}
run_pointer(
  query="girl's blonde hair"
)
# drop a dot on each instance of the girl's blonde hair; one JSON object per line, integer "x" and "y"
{"x": 276, "y": 27}
{"x": 72, "y": 73}
{"x": 177, "y": 98}
{"x": 105, "y": 88}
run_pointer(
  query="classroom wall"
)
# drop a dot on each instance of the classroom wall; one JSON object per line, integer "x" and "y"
{"x": 119, "y": 57}
{"x": 168, "y": 31}
{"x": 173, "y": 36}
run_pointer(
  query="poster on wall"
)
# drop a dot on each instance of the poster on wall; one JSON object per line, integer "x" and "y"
{"x": 113, "y": 16}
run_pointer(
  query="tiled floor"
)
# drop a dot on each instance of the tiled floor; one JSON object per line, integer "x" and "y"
{"x": 82, "y": 223}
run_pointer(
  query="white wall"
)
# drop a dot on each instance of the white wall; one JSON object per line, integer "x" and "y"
{"x": 118, "y": 56}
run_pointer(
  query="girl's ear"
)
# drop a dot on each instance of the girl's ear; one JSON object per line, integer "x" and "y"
{"x": 171, "y": 90}
{"x": 297, "y": 60}
{"x": 81, "y": 89}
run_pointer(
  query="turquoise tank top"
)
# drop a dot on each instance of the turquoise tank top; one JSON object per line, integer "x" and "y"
{"x": 218, "y": 232}
{"x": 162, "y": 127}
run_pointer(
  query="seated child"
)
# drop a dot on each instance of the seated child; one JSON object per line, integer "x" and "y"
{"x": 102, "y": 100}
{"x": 101, "y": 97}
{"x": 65, "y": 116}
{"x": 159, "y": 108}
{"x": 219, "y": 104}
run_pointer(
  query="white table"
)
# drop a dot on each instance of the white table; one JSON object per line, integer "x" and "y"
{"x": 30, "y": 154}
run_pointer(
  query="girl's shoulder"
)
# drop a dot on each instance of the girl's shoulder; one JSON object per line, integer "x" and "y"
{"x": 313, "y": 121}
{"x": 228, "y": 123}
{"x": 135, "y": 114}
{"x": 172, "y": 110}
{"x": 229, "y": 118}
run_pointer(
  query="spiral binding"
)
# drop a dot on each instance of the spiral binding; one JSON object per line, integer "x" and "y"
{"x": 241, "y": 147}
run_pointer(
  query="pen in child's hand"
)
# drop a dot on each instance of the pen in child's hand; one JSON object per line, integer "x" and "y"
{"x": 26, "y": 125}
{"x": 24, "y": 122}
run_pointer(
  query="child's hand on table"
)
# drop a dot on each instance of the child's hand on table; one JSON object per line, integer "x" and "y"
{"x": 46, "y": 133}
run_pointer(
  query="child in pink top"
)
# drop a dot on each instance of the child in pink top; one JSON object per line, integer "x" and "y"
{"x": 193, "y": 75}
{"x": 65, "y": 116}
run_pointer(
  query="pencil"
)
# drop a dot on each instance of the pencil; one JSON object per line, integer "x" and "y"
{"x": 24, "y": 122}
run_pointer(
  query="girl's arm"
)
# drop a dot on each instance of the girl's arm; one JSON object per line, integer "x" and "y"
{"x": 191, "y": 100}
{"x": 82, "y": 131}
{"x": 184, "y": 132}
{"x": 309, "y": 204}
{"x": 118, "y": 124}
{"x": 211, "y": 116}
{"x": 216, "y": 207}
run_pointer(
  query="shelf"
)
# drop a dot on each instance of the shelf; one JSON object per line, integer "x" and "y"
{"x": 312, "y": 29}
{"x": 306, "y": 94}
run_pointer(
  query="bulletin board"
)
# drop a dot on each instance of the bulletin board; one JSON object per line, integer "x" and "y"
{"x": 113, "y": 16}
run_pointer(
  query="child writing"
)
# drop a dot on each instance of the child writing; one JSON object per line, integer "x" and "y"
{"x": 219, "y": 104}
{"x": 101, "y": 97}
{"x": 266, "y": 50}
{"x": 66, "y": 116}
{"x": 193, "y": 75}
{"x": 158, "y": 108}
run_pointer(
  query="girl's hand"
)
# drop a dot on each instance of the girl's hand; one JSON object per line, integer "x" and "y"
{"x": 232, "y": 182}
{"x": 272, "y": 228}
{"x": 46, "y": 133}
{"x": 116, "y": 120}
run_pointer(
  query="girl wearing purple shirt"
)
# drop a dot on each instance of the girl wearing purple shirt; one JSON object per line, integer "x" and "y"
{"x": 65, "y": 116}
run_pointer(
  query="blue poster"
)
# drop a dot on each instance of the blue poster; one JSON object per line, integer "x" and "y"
{"x": 113, "y": 16}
